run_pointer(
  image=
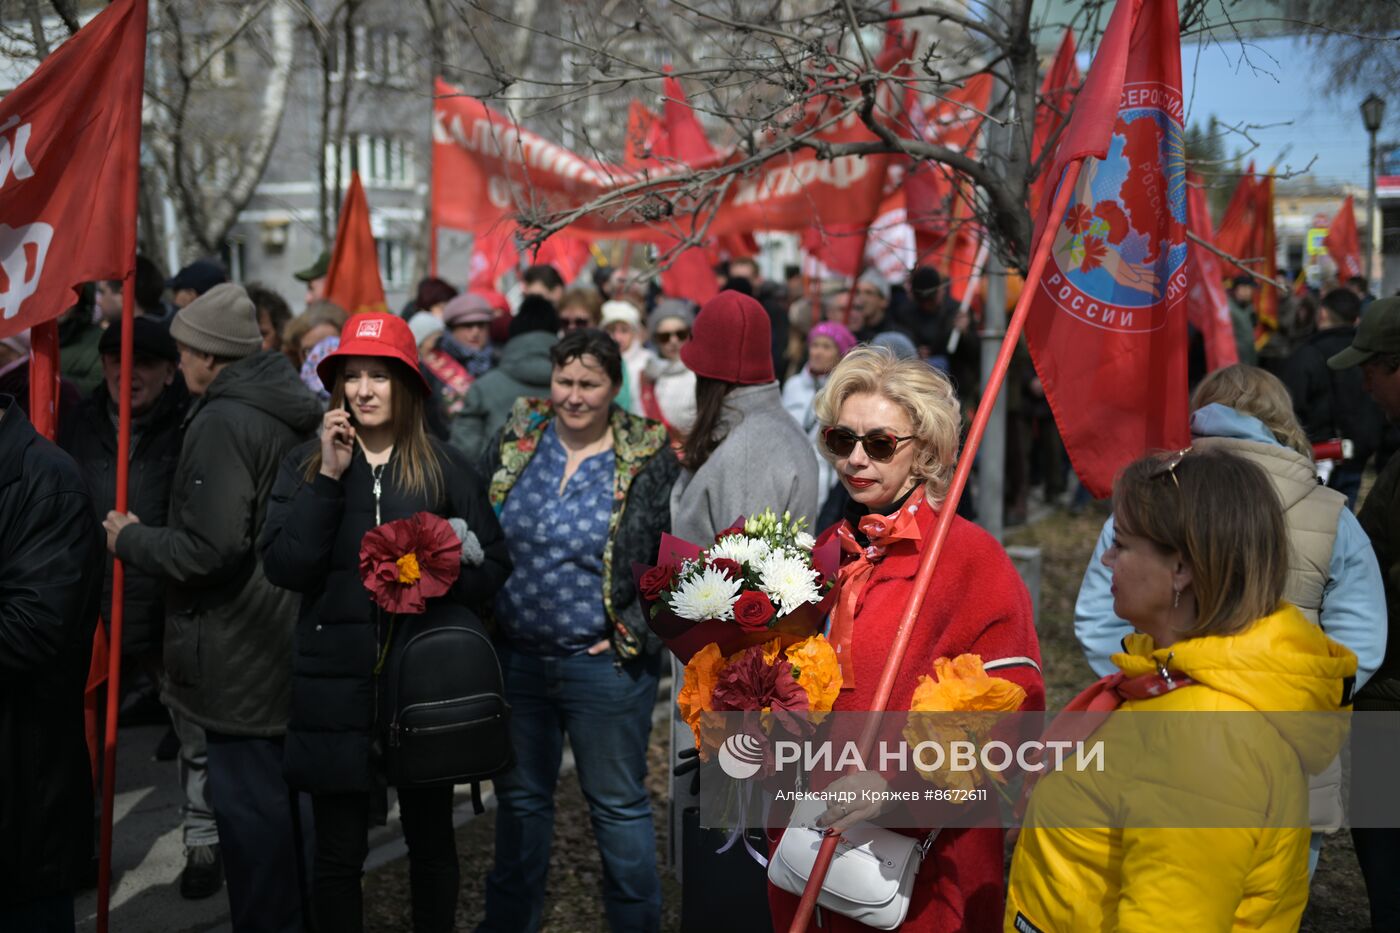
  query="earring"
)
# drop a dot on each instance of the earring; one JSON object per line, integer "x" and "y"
{"x": 1176, "y": 597}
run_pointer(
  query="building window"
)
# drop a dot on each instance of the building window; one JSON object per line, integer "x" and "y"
{"x": 222, "y": 65}
{"x": 393, "y": 262}
{"x": 384, "y": 161}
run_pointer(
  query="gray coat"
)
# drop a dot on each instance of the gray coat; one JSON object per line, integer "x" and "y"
{"x": 228, "y": 631}
{"x": 523, "y": 372}
{"x": 764, "y": 461}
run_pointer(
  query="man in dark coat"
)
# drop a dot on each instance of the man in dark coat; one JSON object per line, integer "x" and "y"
{"x": 1331, "y": 403}
{"x": 228, "y": 631}
{"x": 1375, "y": 351}
{"x": 50, "y": 579}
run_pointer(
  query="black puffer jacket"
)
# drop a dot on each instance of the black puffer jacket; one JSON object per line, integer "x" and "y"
{"x": 311, "y": 544}
{"x": 228, "y": 631}
{"x": 1330, "y": 402}
{"x": 91, "y": 437}
{"x": 50, "y": 579}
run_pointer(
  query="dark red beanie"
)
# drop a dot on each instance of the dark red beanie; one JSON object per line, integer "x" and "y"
{"x": 732, "y": 341}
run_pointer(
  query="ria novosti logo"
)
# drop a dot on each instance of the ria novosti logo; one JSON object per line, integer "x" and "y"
{"x": 741, "y": 756}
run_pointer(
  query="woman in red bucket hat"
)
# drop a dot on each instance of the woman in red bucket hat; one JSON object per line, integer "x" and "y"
{"x": 373, "y": 464}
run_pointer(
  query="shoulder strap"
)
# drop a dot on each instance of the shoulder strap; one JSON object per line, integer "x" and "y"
{"x": 1017, "y": 661}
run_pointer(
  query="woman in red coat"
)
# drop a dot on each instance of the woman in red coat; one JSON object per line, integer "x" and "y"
{"x": 891, "y": 428}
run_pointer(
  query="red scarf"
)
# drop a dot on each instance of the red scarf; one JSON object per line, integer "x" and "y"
{"x": 1101, "y": 697}
{"x": 882, "y": 531}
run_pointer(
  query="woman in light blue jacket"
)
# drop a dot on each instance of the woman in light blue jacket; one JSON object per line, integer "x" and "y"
{"x": 1333, "y": 575}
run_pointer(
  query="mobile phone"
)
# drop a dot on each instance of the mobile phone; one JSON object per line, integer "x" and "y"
{"x": 345, "y": 404}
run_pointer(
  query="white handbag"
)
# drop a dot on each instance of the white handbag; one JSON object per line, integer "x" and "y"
{"x": 872, "y": 873}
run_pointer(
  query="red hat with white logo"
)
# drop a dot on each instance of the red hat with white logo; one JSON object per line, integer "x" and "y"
{"x": 374, "y": 334}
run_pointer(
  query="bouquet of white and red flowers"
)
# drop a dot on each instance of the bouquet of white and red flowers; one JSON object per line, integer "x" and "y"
{"x": 764, "y": 577}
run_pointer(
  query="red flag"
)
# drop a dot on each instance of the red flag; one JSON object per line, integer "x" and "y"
{"x": 690, "y": 274}
{"x": 352, "y": 281}
{"x": 642, "y": 127}
{"x": 1057, "y": 92}
{"x": 567, "y": 254}
{"x": 493, "y": 254}
{"x": 1235, "y": 233}
{"x": 69, "y": 168}
{"x": 1207, "y": 308}
{"x": 1266, "y": 295}
{"x": 1342, "y": 243}
{"x": 1107, "y": 326}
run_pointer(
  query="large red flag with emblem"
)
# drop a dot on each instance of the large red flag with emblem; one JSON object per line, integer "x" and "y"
{"x": 1342, "y": 243}
{"x": 1107, "y": 327}
{"x": 352, "y": 281}
{"x": 70, "y": 143}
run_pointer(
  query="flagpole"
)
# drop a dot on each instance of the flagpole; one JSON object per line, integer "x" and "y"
{"x": 114, "y": 639}
{"x": 929, "y": 562}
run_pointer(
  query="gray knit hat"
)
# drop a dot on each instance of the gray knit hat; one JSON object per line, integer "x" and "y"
{"x": 222, "y": 322}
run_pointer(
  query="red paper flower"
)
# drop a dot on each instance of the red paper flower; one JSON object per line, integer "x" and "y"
{"x": 405, "y": 563}
{"x": 735, "y": 529}
{"x": 753, "y": 610}
{"x": 1094, "y": 252}
{"x": 749, "y": 682}
{"x": 730, "y": 568}
{"x": 1078, "y": 218}
{"x": 657, "y": 580}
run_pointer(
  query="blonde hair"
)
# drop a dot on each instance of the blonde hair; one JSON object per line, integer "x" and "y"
{"x": 924, "y": 393}
{"x": 1221, "y": 514}
{"x": 317, "y": 313}
{"x": 1252, "y": 391}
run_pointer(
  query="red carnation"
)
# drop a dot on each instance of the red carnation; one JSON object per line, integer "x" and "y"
{"x": 753, "y": 610}
{"x": 657, "y": 580}
{"x": 405, "y": 563}
{"x": 730, "y": 568}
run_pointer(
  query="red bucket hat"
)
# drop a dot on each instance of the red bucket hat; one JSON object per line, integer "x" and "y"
{"x": 374, "y": 334}
{"x": 732, "y": 341}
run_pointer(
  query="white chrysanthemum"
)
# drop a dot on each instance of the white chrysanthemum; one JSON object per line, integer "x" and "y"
{"x": 747, "y": 551}
{"x": 804, "y": 541}
{"x": 708, "y": 595}
{"x": 789, "y": 582}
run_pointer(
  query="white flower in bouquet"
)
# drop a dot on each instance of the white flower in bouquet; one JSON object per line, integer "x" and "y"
{"x": 708, "y": 595}
{"x": 747, "y": 551}
{"x": 804, "y": 541}
{"x": 789, "y": 582}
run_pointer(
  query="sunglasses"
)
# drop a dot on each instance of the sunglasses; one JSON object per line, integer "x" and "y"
{"x": 666, "y": 336}
{"x": 1167, "y": 465}
{"x": 473, "y": 324}
{"x": 574, "y": 323}
{"x": 880, "y": 446}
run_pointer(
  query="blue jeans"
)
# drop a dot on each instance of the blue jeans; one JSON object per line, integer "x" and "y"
{"x": 606, "y": 713}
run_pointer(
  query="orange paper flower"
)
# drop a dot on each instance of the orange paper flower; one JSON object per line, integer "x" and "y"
{"x": 817, "y": 670}
{"x": 408, "y": 568}
{"x": 963, "y": 686}
{"x": 697, "y": 689}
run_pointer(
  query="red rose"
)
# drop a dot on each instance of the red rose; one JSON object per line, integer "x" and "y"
{"x": 657, "y": 580}
{"x": 735, "y": 529}
{"x": 730, "y": 568}
{"x": 753, "y": 610}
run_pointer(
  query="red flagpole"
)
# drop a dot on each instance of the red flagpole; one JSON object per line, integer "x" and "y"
{"x": 945, "y": 520}
{"x": 114, "y": 639}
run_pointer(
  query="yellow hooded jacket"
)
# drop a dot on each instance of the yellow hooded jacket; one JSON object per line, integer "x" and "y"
{"x": 1240, "y": 770}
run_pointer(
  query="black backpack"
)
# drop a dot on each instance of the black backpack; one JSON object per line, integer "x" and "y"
{"x": 445, "y": 714}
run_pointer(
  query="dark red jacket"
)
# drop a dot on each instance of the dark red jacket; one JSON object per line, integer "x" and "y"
{"x": 976, "y": 604}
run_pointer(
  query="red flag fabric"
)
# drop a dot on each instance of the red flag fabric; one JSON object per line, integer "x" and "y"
{"x": 1107, "y": 326}
{"x": 1246, "y": 231}
{"x": 690, "y": 274}
{"x": 1342, "y": 243}
{"x": 494, "y": 253}
{"x": 1207, "y": 308}
{"x": 643, "y": 124}
{"x": 69, "y": 168}
{"x": 352, "y": 281}
{"x": 567, "y": 254}
{"x": 930, "y": 189}
{"x": 1057, "y": 92}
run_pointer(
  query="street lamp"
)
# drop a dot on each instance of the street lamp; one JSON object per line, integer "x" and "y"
{"x": 1372, "y": 115}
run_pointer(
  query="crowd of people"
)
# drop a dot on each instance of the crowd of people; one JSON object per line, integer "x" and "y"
{"x": 560, "y": 436}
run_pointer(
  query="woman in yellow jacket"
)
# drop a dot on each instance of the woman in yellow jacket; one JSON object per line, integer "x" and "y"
{"x": 1195, "y": 822}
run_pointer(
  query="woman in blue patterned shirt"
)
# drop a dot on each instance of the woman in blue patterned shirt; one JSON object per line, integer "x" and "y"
{"x": 583, "y": 490}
